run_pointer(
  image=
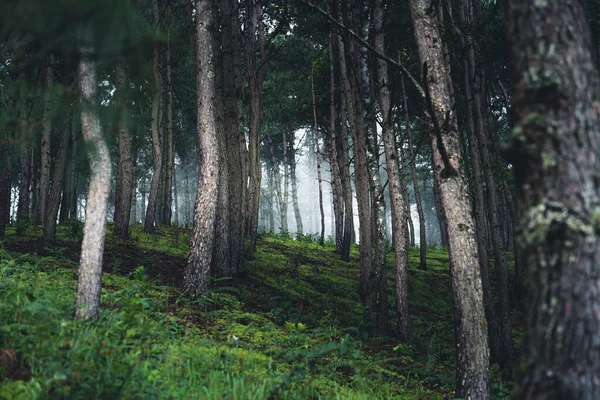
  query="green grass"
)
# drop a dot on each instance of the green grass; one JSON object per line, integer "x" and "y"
{"x": 289, "y": 327}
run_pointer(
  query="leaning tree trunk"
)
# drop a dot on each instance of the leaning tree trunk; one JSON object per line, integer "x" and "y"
{"x": 199, "y": 262}
{"x": 554, "y": 151}
{"x": 125, "y": 163}
{"x": 151, "y": 210}
{"x": 397, "y": 199}
{"x": 472, "y": 366}
{"x": 92, "y": 248}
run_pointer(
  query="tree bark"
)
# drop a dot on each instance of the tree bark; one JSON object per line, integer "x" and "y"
{"x": 199, "y": 261}
{"x": 45, "y": 144}
{"x": 415, "y": 179}
{"x": 169, "y": 155}
{"x": 255, "y": 43}
{"x": 24, "y": 201}
{"x": 397, "y": 198}
{"x": 553, "y": 150}
{"x": 94, "y": 231}
{"x": 151, "y": 210}
{"x": 319, "y": 179}
{"x": 5, "y": 188}
{"x": 125, "y": 163}
{"x": 295, "y": 204}
{"x": 472, "y": 373}
{"x": 344, "y": 164}
{"x": 58, "y": 176}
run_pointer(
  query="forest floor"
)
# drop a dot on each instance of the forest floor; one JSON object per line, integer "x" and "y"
{"x": 289, "y": 327}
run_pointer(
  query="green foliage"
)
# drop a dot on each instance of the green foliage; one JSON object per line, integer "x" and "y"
{"x": 290, "y": 328}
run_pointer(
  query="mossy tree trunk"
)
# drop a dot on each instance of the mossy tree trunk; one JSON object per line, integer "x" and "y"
{"x": 554, "y": 151}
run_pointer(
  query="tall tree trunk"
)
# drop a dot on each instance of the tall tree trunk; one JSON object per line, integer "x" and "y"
{"x": 24, "y": 201}
{"x": 344, "y": 163}
{"x": 479, "y": 209}
{"x": 133, "y": 219}
{"x": 45, "y": 144}
{"x": 58, "y": 176}
{"x": 201, "y": 248}
{"x": 357, "y": 127}
{"x": 169, "y": 155}
{"x": 319, "y": 179}
{"x": 286, "y": 183}
{"x": 472, "y": 373}
{"x": 554, "y": 151}
{"x": 175, "y": 197}
{"x": 94, "y": 231}
{"x": 255, "y": 43}
{"x": 188, "y": 197}
{"x": 276, "y": 186}
{"x": 125, "y": 163}
{"x": 397, "y": 199}
{"x": 295, "y": 204}
{"x": 234, "y": 127}
{"x": 151, "y": 210}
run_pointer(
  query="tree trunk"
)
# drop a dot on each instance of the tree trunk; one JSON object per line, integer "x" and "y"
{"x": 319, "y": 179}
{"x": 175, "y": 197}
{"x": 255, "y": 43}
{"x": 397, "y": 199}
{"x": 344, "y": 163}
{"x": 5, "y": 188}
{"x": 357, "y": 126}
{"x": 24, "y": 201}
{"x": 201, "y": 248}
{"x": 58, "y": 176}
{"x": 169, "y": 155}
{"x": 151, "y": 210}
{"x": 125, "y": 163}
{"x": 415, "y": 178}
{"x": 297, "y": 215}
{"x": 188, "y": 197}
{"x": 234, "y": 127}
{"x": 45, "y": 144}
{"x": 479, "y": 209}
{"x": 143, "y": 189}
{"x": 94, "y": 231}
{"x": 554, "y": 151}
{"x": 472, "y": 374}
{"x": 286, "y": 184}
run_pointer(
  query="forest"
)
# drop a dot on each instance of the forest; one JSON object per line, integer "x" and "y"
{"x": 300, "y": 199}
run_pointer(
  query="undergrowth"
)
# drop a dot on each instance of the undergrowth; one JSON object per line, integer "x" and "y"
{"x": 289, "y": 327}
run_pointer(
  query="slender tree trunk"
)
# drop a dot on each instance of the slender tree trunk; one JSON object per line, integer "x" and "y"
{"x": 188, "y": 199}
{"x": 125, "y": 163}
{"x": 151, "y": 210}
{"x": 94, "y": 231}
{"x": 336, "y": 182}
{"x": 199, "y": 261}
{"x": 479, "y": 209}
{"x": 554, "y": 151}
{"x": 175, "y": 198}
{"x": 255, "y": 42}
{"x": 295, "y": 204}
{"x": 472, "y": 373}
{"x": 24, "y": 201}
{"x": 45, "y": 144}
{"x": 286, "y": 183}
{"x": 397, "y": 199}
{"x": 344, "y": 164}
{"x": 357, "y": 126}
{"x": 143, "y": 189}
{"x": 58, "y": 176}
{"x": 5, "y": 188}
{"x": 133, "y": 219}
{"x": 320, "y": 180}
{"x": 169, "y": 155}
{"x": 276, "y": 187}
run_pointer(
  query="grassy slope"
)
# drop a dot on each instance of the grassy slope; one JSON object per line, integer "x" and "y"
{"x": 289, "y": 327}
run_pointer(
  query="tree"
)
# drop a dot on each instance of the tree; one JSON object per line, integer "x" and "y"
{"x": 199, "y": 261}
{"x": 553, "y": 151}
{"x": 94, "y": 231}
{"x": 472, "y": 367}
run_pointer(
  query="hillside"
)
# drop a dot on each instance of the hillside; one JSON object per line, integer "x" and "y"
{"x": 289, "y": 327}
